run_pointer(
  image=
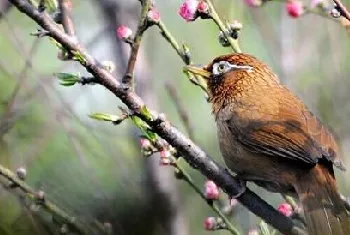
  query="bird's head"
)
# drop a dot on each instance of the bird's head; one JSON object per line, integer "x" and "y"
{"x": 229, "y": 75}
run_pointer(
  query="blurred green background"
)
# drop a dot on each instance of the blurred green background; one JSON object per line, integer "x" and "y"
{"x": 95, "y": 171}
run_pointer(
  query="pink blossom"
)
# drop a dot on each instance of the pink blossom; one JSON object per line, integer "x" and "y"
{"x": 253, "y": 3}
{"x": 145, "y": 144}
{"x": 211, "y": 190}
{"x": 188, "y": 10}
{"x": 210, "y": 223}
{"x": 253, "y": 231}
{"x": 165, "y": 153}
{"x": 295, "y": 8}
{"x": 285, "y": 209}
{"x": 202, "y": 7}
{"x": 154, "y": 15}
{"x": 166, "y": 158}
{"x": 123, "y": 32}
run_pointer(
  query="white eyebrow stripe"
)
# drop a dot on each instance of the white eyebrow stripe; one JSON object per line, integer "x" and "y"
{"x": 244, "y": 67}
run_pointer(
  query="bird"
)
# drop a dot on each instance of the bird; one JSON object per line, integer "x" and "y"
{"x": 268, "y": 136}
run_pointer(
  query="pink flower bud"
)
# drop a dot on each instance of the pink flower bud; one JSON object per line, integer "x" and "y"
{"x": 253, "y": 3}
{"x": 212, "y": 191}
{"x": 253, "y": 231}
{"x": 202, "y": 7}
{"x": 236, "y": 25}
{"x": 188, "y": 10}
{"x": 145, "y": 144}
{"x": 166, "y": 158}
{"x": 124, "y": 32}
{"x": 21, "y": 173}
{"x": 285, "y": 209}
{"x": 153, "y": 15}
{"x": 295, "y": 8}
{"x": 210, "y": 223}
{"x": 40, "y": 195}
{"x": 165, "y": 153}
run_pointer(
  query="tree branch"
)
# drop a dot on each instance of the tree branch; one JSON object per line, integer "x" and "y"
{"x": 343, "y": 11}
{"x": 143, "y": 24}
{"x": 65, "y": 8}
{"x": 191, "y": 152}
{"x": 41, "y": 200}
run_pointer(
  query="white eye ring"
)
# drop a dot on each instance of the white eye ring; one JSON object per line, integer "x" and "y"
{"x": 222, "y": 67}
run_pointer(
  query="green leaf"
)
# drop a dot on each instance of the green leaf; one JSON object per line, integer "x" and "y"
{"x": 57, "y": 44}
{"x": 146, "y": 130}
{"x": 151, "y": 135}
{"x": 65, "y": 76}
{"x": 51, "y": 5}
{"x": 104, "y": 117}
{"x": 68, "y": 79}
{"x": 146, "y": 113}
{"x": 67, "y": 83}
{"x": 264, "y": 228}
{"x": 78, "y": 57}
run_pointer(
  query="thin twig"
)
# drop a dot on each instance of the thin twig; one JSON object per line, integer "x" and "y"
{"x": 65, "y": 10}
{"x": 172, "y": 41}
{"x": 191, "y": 152}
{"x": 343, "y": 11}
{"x": 186, "y": 177}
{"x": 8, "y": 113}
{"x": 128, "y": 79}
{"x": 180, "y": 108}
{"x": 53, "y": 209}
{"x": 182, "y": 174}
{"x": 233, "y": 42}
{"x": 186, "y": 58}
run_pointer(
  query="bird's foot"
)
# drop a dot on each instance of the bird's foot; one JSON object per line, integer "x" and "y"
{"x": 242, "y": 187}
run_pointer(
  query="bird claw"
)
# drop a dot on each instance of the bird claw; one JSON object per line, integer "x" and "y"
{"x": 242, "y": 187}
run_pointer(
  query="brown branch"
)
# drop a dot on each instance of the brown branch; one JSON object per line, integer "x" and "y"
{"x": 128, "y": 79}
{"x": 343, "y": 11}
{"x": 65, "y": 9}
{"x": 191, "y": 152}
{"x": 180, "y": 108}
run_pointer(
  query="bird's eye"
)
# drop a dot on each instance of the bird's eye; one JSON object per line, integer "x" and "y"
{"x": 221, "y": 67}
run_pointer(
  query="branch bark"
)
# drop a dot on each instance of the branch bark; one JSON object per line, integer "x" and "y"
{"x": 343, "y": 11}
{"x": 191, "y": 152}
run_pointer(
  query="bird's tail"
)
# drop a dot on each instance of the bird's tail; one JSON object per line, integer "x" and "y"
{"x": 324, "y": 211}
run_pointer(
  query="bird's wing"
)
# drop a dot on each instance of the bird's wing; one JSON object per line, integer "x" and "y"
{"x": 294, "y": 133}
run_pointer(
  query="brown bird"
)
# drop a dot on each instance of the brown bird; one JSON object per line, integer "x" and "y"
{"x": 268, "y": 136}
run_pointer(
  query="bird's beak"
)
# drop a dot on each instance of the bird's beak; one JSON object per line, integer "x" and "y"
{"x": 197, "y": 70}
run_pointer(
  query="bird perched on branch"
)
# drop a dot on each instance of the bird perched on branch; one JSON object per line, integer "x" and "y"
{"x": 268, "y": 136}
